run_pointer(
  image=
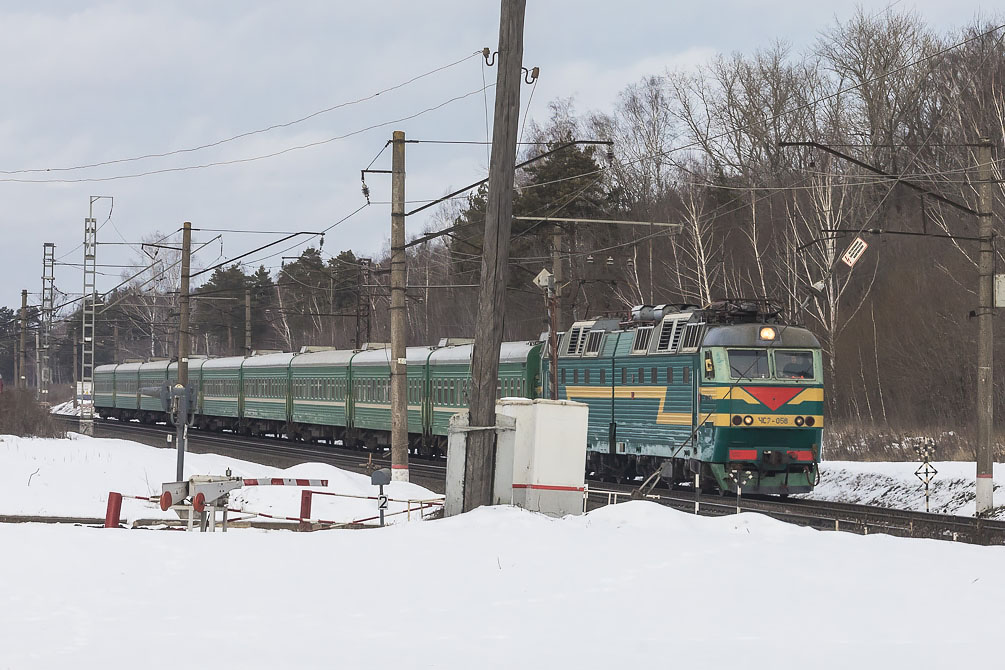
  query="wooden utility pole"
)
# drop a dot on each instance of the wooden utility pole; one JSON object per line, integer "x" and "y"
{"x": 399, "y": 398}
{"x": 183, "y": 300}
{"x": 22, "y": 380}
{"x": 247, "y": 322}
{"x": 480, "y": 452}
{"x": 985, "y": 336}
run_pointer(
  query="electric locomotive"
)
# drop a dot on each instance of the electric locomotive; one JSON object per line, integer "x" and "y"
{"x": 723, "y": 396}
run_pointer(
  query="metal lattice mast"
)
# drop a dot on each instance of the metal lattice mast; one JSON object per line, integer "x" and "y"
{"x": 48, "y": 290}
{"x": 87, "y": 329}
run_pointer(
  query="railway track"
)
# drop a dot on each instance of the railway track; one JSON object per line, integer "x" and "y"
{"x": 820, "y": 514}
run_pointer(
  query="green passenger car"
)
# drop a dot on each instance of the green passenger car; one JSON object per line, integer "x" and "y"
{"x": 319, "y": 385}
{"x": 221, "y": 393}
{"x": 104, "y": 388}
{"x": 127, "y": 385}
{"x": 265, "y": 393}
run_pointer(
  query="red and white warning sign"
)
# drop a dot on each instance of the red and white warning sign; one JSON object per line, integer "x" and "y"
{"x": 854, "y": 252}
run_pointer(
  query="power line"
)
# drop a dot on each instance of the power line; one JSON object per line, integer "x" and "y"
{"x": 250, "y": 159}
{"x": 249, "y": 133}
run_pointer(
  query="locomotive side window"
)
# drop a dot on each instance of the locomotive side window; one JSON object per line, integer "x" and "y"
{"x": 794, "y": 364}
{"x": 748, "y": 364}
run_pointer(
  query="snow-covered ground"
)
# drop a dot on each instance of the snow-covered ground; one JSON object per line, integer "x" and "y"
{"x": 632, "y": 585}
{"x": 895, "y": 485}
{"x": 66, "y": 409}
{"x": 73, "y": 477}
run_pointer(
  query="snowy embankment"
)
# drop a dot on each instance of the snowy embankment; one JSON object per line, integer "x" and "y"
{"x": 72, "y": 477}
{"x": 895, "y": 485}
{"x": 625, "y": 586}
{"x": 630, "y": 585}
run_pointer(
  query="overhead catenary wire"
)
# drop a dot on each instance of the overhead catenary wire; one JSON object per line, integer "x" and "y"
{"x": 248, "y": 159}
{"x": 275, "y": 126}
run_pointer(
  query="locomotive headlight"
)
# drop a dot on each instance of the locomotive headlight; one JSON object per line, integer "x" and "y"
{"x": 737, "y": 419}
{"x": 810, "y": 421}
{"x": 767, "y": 333}
{"x": 799, "y": 420}
{"x": 747, "y": 420}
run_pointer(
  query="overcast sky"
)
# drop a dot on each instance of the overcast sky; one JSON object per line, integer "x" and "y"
{"x": 90, "y": 82}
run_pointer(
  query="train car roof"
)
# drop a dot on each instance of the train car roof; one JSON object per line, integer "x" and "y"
{"x": 746, "y": 335}
{"x": 128, "y": 367}
{"x": 154, "y": 365}
{"x": 225, "y": 362}
{"x": 268, "y": 361}
{"x": 107, "y": 367}
{"x": 331, "y": 357}
{"x": 413, "y": 356}
{"x": 509, "y": 352}
{"x": 194, "y": 363}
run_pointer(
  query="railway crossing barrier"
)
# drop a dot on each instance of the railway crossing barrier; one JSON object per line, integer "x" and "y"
{"x": 207, "y": 495}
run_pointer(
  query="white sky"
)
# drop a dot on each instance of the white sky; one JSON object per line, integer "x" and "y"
{"x": 91, "y": 82}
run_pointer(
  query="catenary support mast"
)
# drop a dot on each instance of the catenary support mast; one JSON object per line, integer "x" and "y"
{"x": 399, "y": 399}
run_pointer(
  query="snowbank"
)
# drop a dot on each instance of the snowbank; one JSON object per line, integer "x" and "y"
{"x": 895, "y": 485}
{"x": 72, "y": 477}
{"x": 626, "y": 586}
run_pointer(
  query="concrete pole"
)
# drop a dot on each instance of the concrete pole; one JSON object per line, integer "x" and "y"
{"x": 480, "y": 453}
{"x": 184, "y": 341}
{"x": 985, "y": 336}
{"x": 183, "y": 300}
{"x": 399, "y": 397}
{"x": 22, "y": 379}
{"x": 247, "y": 322}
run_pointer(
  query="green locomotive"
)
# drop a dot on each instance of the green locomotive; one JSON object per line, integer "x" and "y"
{"x": 728, "y": 393}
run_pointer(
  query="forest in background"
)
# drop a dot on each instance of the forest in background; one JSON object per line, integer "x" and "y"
{"x": 700, "y": 148}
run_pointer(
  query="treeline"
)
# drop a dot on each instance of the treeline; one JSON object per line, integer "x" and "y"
{"x": 702, "y": 149}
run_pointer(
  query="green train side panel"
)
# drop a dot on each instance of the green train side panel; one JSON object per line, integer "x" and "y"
{"x": 221, "y": 388}
{"x": 266, "y": 392}
{"x": 104, "y": 386}
{"x": 649, "y": 397}
{"x": 320, "y": 395}
{"x": 371, "y": 390}
{"x": 152, "y": 375}
{"x": 126, "y": 386}
{"x": 448, "y": 393}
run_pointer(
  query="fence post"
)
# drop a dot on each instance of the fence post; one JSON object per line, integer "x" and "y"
{"x": 114, "y": 509}
{"x": 305, "y": 509}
